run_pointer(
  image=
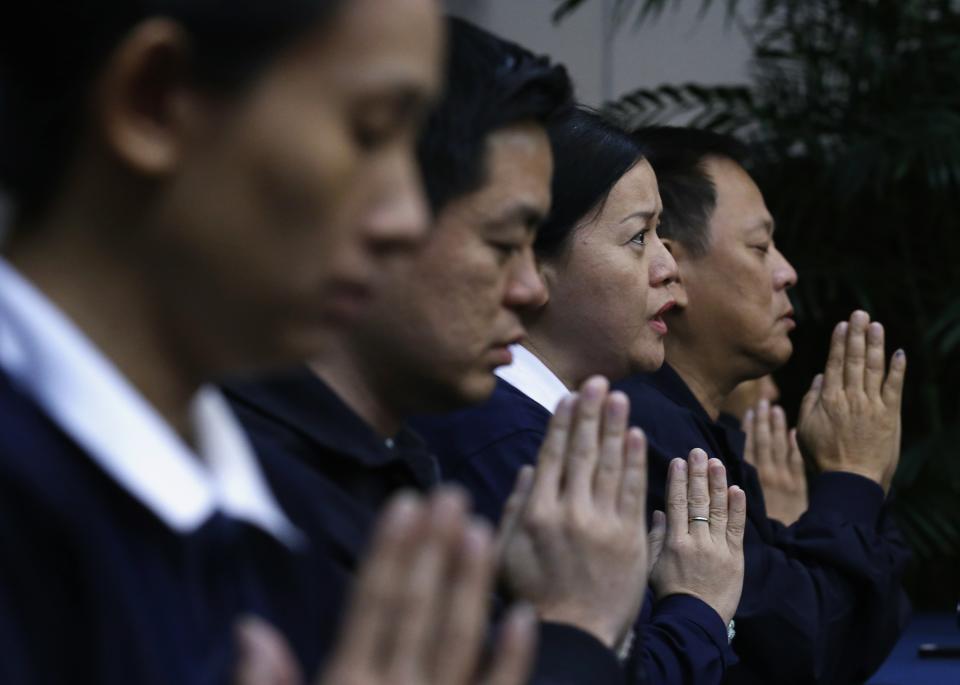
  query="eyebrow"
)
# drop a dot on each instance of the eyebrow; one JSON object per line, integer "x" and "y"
{"x": 646, "y": 215}
{"x": 530, "y": 217}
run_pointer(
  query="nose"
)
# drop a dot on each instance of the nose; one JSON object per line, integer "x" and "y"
{"x": 663, "y": 267}
{"x": 525, "y": 286}
{"x": 399, "y": 218}
{"x": 784, "y": 275}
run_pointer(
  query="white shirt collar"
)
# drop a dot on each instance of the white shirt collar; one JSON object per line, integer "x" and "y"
{"x": 53, "y": 362}
{"x": 531, "y": 376}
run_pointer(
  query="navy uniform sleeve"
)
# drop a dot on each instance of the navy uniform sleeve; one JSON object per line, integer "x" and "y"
{"x": 569, "y": 656}
{"x": 822, "y": 600}
{"x": 681, "y": 641}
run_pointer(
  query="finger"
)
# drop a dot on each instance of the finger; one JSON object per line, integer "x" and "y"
{"x": 606, "y": 481}
{"x": 762, "y": 449}
{"x": 893, "y": 385}
{"x": 856, "y": 351}
{"x": 380, "y": 584}
{"x": 583, "y": 447}
{"x": 833, "y": 371}
{"x": 779, "y": 440}
{"x": 873, "y": 376}
{"x": 427, "y": 589}
{"x": 546, "y": 484}
{"x": 655, "y": 538}
{"x": 633, "y": 481}
{"x": 717, "y": 479}
{"x": 514, "y": 507}
{"x": 264, "y": 657}
{"x": 811, "y": 398}
{"x": 736, "y": 517}
{"x": 749, "y": 450}
{"x": 515, "y": 649}
{"x": 698, "y": 493}
{"x": 795, "y": 460}
{"x": 677, "y": 524}
{"x": 465, "y": 622}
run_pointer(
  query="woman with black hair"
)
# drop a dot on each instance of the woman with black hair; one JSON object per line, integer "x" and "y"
{"x": 200, "y": 188}
{"x": 608, "y": 281}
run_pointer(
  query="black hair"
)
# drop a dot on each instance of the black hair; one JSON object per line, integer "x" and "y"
{"x": 678, "y": 156}
{"x": 491, "y": 83}
{"x": 51, "y": 53}
{"x": 590, "y": 155}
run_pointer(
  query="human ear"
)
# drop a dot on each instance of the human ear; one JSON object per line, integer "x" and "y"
{"x": 549, "y": 276}
{"x": 144, "y": 106}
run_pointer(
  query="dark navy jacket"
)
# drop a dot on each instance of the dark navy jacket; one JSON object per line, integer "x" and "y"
{"x": 332, "y": 473}
{"x": 682, "y": 640}
{"x": 95, "y": 589}
{"x": 822, "y": 601}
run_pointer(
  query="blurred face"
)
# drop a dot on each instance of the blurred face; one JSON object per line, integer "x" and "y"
{"x": 445, "y": 321}
{"x": 273, "y": 232}
{"x": 608, "y": 289}
{"x": 738, "y": 312}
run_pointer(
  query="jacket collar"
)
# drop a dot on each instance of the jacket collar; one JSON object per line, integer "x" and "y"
{"x": 301, "y": 401}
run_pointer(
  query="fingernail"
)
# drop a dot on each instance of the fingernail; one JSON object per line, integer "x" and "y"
{"x": 617, "y": 405}
{"x": 749, "y": 415}
{"x": 594, "y": 388}
{"x": 763, "y": 405}
{"x": 900, "y": 353}
{"x": 680, "y": 465}
{"x": 698, "y": 457}
{"x": 403, "y": 510}
{"x": 478, "y": 538}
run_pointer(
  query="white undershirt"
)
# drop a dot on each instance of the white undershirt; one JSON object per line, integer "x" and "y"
{"x": 531, "y": 376}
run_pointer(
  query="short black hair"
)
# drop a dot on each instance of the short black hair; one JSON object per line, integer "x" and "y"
{"x": 678, "y": 155}
{"x": 491, "y": 83}
{"x": 590, "y": 155}
{"x": 51, "y": 54}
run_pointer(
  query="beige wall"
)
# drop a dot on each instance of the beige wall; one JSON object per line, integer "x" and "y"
{"x": 675, "y": 48}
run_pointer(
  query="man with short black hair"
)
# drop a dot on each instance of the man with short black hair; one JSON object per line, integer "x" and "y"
{"x": 821, "y": 599}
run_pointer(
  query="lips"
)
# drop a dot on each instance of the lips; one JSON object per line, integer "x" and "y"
{"x": 787, "y": 318}
{"x": 500, "y": 351}
{"x": 656, "y": 321}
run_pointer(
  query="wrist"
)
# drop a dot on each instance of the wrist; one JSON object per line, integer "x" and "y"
{"x": 603, "y": 632}
{"x": 874, "y": 474}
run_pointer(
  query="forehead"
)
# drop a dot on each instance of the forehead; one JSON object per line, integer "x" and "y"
{"x": 518, "y": 167}
{"x": 635, "y": 191}
{"x": 740, "y": 206}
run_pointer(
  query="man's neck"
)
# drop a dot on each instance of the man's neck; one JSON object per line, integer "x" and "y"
{"x": 709, "y": 389}
{"x": 107, "y": 300}
{"x": 352, "y": 383}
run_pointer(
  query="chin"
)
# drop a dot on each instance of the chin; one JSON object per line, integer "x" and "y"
{"x": 648, "y": 361}
{"x": 475, "y": 388}
{"x": 776, "y": 356}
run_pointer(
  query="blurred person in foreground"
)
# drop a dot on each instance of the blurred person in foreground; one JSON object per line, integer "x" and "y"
{"x": 822, "y": 601}
{"x": 574, "y": 545}
{"x": 200, "y": 189}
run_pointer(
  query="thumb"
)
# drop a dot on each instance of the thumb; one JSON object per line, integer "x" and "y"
{"x": 655, "y": 538}
{"x": 810, "y": 399}
{"x": 264, "y": 657}
{"x": 513, "y": 508}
